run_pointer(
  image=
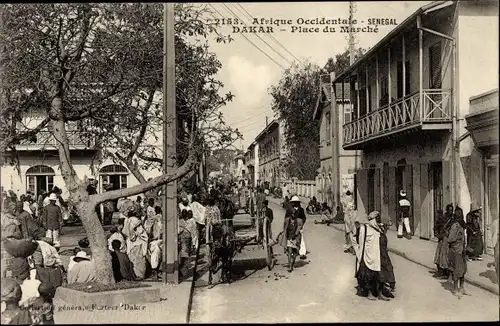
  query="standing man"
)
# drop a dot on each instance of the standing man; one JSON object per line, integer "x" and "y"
{"x": 259, "y": 201}
{"x": 349, "y": 227}
{"x": 267, "y": 212}
{"x": 404, "y": 215}
{"x": 51, "y": 218}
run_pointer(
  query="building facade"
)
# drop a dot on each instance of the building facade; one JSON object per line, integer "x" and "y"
{"x": 348, "y": 159}
{"x": 238, "y": 168}
{"x": 250, "y": 164}
{"x": 410, "y": 95}
{"x": 269, "y": 155}
{"x": 482, "y": 168}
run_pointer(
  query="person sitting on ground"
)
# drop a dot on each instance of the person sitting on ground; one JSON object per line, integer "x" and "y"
{"x": 122, "y": 266}
{"x": 326, "y": 215}
{"x": 84, "y": 244}
{"x": 12, "y": 314}
{"x": 48, "y": 263}
{"x": 83, "y": 271}
{"x": 312, "y": 206}
{"x": 116, "y": 235}
{"x": 72, "y": 263}
{"x": 340, "y": 216}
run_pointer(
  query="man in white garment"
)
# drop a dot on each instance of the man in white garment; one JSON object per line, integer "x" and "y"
{"x": 404, "y": 215}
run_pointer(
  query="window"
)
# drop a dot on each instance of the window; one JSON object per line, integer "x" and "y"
{"x": 347, "y": 112}
{"x": 328, "y": 122}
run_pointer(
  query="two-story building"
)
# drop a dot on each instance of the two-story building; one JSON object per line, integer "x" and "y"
{"x": 250, "y": 164}
{"x": 238, "y": 168}
{"x": 269, "y": 154}
{"x": 348, "y": 160}
{"x": 410, "y": 94}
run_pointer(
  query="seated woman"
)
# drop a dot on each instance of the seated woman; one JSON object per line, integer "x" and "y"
{"x": 83, "y": 271}
{"x": 326, "y": 214}
{"x": 312, "y": 207}
{"x": 123, "y": 269}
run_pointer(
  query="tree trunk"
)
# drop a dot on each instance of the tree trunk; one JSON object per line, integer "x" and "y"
{"x": 97, "y": 240}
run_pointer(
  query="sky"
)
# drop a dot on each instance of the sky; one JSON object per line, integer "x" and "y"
{"x": 248, "y": 73}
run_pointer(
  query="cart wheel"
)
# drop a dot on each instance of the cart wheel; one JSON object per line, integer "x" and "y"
{"x": 267, "y": 247}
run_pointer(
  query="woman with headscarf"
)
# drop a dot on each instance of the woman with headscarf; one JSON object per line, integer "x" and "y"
{"x": 457, "y": 258}
{"x": 368, "y": 263}
{"x": 474, "y": 232}
{"x": 441, "y": 228}
{"x": 387, "y": 278}
{"x": 137, "y": 243}
{"x": 212, "y": 215}
{"x": 185, "y": 241}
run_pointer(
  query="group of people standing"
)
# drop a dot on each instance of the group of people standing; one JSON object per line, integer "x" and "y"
{"x": 459, "y": 241}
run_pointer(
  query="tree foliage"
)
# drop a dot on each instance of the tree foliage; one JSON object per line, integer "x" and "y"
{"x": 342, "y": 61}
{"x": 294, "y": 100}
{"x": 96, "y": 67}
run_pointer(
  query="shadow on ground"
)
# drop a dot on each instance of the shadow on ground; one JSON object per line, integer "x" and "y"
{"x": 491, "y": 274}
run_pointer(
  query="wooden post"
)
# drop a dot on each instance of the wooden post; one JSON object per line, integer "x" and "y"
{"x": 389, "y": 79}
{"x": 367, "y": 89}
{"x": 420, "y": 66}
{"x": 170, "y": 255}
{"x": 334, "y": 114}
{"x": 378, "y": 83}
{"x": 404, "y": 67}
{"x": 357, "y": 93}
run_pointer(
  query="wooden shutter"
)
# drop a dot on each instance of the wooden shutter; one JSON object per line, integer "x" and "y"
{"x": 425, "y": 202}
{"x": 378, "y": 197}
{"x": 447, "y": 183}
{"x": 408, "y": 179}
{"x": 435, "y": 66}
{"x": 362, "y": 185}
{"x": 392, "y": 195}
{"x": 416, "y": 200}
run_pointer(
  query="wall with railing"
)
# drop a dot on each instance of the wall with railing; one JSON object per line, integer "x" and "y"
{"x": 400, "y": 114}
{"x": 43, "y": 139}
{"x": 306, "y": 189}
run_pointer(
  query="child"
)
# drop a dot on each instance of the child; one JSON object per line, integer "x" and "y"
{"x": 122, "y": 266}
{"x": 12, "y": 314}
{"x": 42, "y": 309}
{"x": 116, "y": 235}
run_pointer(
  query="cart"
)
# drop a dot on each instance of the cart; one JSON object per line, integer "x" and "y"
{"x": 258, "y": 235}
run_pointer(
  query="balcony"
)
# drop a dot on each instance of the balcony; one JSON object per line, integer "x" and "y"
{"x": 46, "y": 141}
{"x": 401, "y": 115}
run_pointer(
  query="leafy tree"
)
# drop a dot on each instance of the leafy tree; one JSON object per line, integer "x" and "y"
{"x": 73, "y": 63}
{"x": 294, "y": 100}
{"x": 342, "y": 61}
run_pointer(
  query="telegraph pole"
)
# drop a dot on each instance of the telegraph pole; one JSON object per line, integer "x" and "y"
{"x": 170, "y": 254}
{"x": 351, "y": 32}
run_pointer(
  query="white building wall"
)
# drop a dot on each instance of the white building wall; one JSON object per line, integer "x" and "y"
{"x": 477, "y": 71}
{"x": 256, "y": 170}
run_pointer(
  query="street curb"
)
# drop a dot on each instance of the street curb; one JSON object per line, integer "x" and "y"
{"x": 193, "y": 284}
{"x": 491, "y": 289}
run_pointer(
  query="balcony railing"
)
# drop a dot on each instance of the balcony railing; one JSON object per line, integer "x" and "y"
{"x": 44, "y": 139}
{"x": 400, "y": 114}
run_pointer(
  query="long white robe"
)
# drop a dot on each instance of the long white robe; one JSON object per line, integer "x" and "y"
{"x": 371, "y": 255}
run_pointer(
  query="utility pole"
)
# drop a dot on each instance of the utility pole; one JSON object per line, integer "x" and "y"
{"x": 351, "y": 32}
{"x": 170, "y": 254}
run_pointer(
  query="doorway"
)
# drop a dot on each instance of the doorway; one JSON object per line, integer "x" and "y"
{"x": 39, "y": 178}
{"x": 491, "y": 204}
{"x": 436, "y": 175}
{"x": 371, "y": 189}
{"x": 114, "y": 175}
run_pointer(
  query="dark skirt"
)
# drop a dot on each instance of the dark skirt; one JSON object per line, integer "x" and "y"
{"x": 474, "y": 244}
{"x": 51, "y": 275}
{"x": 386, "y": 269}
{"x": 442, "y": 254}
{"x": 457, "y": 264}
{"x": 367, "y": 279}
{"x": 184, "y": 244}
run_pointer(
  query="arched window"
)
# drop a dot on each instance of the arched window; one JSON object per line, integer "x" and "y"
{"x": 116, "y": 176}
{"x": 39, "y": 178}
